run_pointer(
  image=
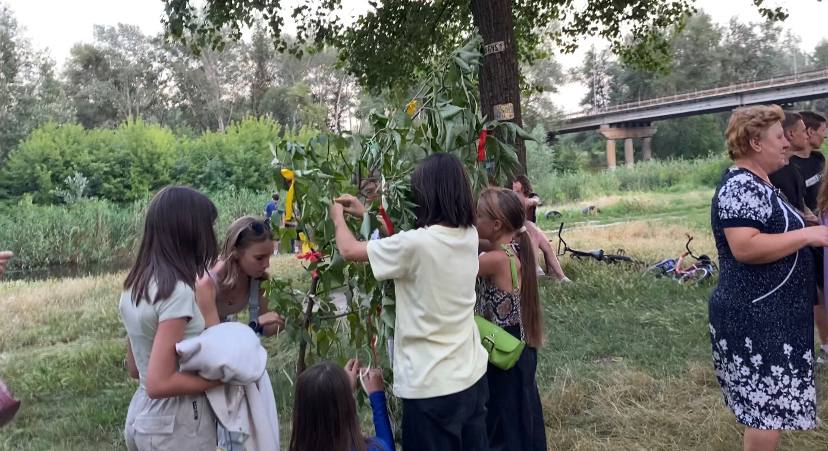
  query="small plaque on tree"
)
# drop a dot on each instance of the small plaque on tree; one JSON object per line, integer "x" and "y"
{"x": 494, "y": 47}
{"x": 504, "y": 112}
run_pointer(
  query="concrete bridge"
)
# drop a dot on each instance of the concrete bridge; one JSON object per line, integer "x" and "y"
{"x": 634, "y": 120}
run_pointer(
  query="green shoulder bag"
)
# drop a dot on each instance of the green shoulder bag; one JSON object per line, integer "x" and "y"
{"x": 503, "y": 348}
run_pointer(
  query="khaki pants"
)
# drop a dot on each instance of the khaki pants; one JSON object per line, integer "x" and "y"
{"x": 182, "y": 423}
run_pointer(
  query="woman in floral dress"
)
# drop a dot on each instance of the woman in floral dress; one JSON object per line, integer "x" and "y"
{"x": 761, "y": 313}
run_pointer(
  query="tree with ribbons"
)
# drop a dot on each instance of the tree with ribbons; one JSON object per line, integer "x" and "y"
{"x": 443, "y": 115}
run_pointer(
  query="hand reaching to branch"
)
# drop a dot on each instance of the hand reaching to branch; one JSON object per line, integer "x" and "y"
{"x": 352, "y": 368}
{"x": 371, "y": 379}
{"x": 351, "y": 205}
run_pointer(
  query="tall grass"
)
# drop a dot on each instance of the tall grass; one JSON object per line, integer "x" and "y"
{"x": 94, "y": 232}
{"x": 671, "y": 175}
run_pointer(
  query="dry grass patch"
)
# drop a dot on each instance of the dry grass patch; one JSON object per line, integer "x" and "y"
{"x": 646, "y": 240}
{"x": 627, "y": 409}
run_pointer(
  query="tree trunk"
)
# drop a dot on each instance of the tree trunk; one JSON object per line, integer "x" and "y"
{"x": 499, "y": 76}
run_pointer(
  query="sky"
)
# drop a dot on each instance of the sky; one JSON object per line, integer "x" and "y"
{"x": 59, "y": 24}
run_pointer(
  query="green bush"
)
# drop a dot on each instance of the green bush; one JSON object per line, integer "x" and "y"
{"x": 126, "y": 163}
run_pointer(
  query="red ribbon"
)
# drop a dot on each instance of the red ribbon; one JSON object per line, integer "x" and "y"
{"x": 481, "y": 145}
{"x": 389, "y": 226}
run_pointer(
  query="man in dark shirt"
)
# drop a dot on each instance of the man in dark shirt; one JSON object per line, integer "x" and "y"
{"x": 789, "y": 179}
{"x": 810, "y": 160}
{"x": 811, "y": 165}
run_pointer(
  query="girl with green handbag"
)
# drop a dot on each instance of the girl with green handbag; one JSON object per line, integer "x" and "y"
{"x": 510, "y": 322}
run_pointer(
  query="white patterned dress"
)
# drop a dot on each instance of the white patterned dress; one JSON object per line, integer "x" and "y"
{"x": 761, "y": 316}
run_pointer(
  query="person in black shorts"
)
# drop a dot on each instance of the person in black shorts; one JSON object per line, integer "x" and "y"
{"x": 812, "y": 165}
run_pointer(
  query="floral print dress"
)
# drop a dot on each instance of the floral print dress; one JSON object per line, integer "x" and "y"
{"x": 761, "y": 315}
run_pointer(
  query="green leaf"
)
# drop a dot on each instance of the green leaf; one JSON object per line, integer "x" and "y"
{"x": 449, "y": 111}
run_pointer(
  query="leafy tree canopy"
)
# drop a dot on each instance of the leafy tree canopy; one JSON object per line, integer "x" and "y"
{"x": 398, "y": 40}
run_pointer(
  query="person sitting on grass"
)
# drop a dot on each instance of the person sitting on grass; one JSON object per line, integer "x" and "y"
{"x": 530, "y": 200}
{"x": 234, "y": 282}
{"x": 325, "y": 413}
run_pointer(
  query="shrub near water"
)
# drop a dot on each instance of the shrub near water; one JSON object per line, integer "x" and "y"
{"x": 95, "y": 231}
{"x": 673, "y": 175}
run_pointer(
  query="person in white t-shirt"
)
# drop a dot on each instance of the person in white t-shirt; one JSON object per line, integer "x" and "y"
{"x": 169, "y": 410}
{"x": 439, "y": 363}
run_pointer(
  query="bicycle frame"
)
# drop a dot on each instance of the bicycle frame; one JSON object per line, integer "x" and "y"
{"x": 598, "y": 254}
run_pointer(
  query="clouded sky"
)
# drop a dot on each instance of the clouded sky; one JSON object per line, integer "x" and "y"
{"x": 58, "y": 24}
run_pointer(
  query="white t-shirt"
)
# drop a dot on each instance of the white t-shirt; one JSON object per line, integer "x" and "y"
{"x": 141, "y": 321}
{"x": 437, "y": 348}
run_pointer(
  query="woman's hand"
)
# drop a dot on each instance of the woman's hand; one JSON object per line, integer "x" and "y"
{"x": 271, "y": 323}
{"x": 818, "y": 236}
{"x": 351, "y": 205}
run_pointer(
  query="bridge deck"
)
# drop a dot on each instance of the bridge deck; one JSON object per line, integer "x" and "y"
{"x": 792, "y": 88}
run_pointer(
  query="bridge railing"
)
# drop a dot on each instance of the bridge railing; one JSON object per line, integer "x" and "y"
{"x": 746, "y": 86}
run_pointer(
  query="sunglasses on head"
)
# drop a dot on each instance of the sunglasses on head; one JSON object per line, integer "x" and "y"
{"x": 257, "y": 227}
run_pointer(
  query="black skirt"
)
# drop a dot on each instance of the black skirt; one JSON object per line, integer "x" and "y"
{"x": 514, "y": 417}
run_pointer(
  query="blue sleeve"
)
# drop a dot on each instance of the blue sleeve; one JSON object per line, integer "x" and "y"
{"x": 269, "y": 209}
{"x": 382, "y": 424}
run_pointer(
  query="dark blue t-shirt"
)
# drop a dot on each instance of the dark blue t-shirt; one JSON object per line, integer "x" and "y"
{"x": 269, "y": 209}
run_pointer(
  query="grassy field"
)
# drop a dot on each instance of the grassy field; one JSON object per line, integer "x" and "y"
{"x": 626, "y": 365}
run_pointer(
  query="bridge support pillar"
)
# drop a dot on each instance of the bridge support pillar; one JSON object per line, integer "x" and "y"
{"x": 629, "y": 152}
{"x": 611, "y": 154}
{"x": 628, "y": 132}
{"x": 647, "y": 148}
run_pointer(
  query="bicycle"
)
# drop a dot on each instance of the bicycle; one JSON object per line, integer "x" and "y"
{"x": 702, "y": 269}
{"x": 598, "y": 254}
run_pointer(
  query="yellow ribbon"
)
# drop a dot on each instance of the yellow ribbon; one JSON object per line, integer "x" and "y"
{"x": 290, "y": 177}
{"x": 307, "y": 245}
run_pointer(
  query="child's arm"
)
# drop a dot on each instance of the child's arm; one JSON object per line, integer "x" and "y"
{"x": 372, "y": 382}
{"x": 350, "y": 249}
{"x": 129, "y": 362}
{"x": 271, "y": 322}
{"x": 163, "y": 378}
{"x": 205, "y": 291}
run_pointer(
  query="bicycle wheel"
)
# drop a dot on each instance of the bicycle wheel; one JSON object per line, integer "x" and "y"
{"x": 694, "y": 276}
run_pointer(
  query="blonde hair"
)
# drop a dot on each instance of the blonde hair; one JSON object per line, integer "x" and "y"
{"x": 749, "y": 123}
{"x": 242, "y": 233}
